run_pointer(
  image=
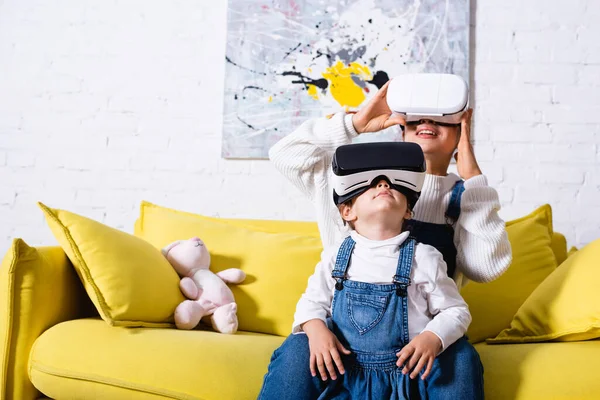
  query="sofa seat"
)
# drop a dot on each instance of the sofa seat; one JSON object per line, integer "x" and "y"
{"x": 551, "y": 370}
{"x": 87, "y": 358}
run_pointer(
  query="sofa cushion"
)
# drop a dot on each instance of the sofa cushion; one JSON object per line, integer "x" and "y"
{"x": 535, "y": 250}
{"x": 277, "y": 265}
{"x": 494, "y": 304}
{"x": 130, "y": 282}
{"x": 541, "y": 370}
{"x": 152, "y": 216}
{"x": 565, "y": 307}
{"x": 87, "y": 358}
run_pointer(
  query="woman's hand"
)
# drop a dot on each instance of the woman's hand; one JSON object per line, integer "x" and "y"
{"x": 466, "y": 164}
{"x": 376, "y": 115}
{"x": 420, "y": 352}
{"x": 325, "y": 349}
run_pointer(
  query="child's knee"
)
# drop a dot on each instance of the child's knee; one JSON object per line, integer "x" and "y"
{"x": 294, "y": 350}
{"x": 467, "y": 350}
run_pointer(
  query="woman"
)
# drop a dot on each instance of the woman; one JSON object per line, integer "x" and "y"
{"x": 457, "y": 216}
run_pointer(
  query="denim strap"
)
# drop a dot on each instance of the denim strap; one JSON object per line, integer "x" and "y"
{"x": 402, "y": 277}
{"x": 453, "y": 210}
{"x": 342, "y": 261}
{"x": 402, "y": 281}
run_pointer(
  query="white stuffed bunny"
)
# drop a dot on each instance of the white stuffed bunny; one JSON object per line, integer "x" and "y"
{"x": 207, "y": 292}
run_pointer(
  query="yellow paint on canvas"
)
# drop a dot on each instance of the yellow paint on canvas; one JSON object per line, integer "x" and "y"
{"x": 270, "y": 99}
{"x": 312, "y": 92}
{"x": 343, "y": 89}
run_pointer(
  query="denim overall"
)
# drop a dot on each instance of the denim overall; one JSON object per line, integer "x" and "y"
{"x": 457, "y": 372}
{"x": 371, "y": 320}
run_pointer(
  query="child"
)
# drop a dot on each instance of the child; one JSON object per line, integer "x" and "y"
{"x": 393, "y": 307}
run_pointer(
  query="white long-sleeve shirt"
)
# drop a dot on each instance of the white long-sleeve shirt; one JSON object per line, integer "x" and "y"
{"x": 434, "y": 303}
{"x": 483, "y": 249}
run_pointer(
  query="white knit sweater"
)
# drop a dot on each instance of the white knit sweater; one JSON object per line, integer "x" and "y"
{"x": 483, "y": 249}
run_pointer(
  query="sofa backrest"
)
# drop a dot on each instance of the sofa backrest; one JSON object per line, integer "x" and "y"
{"x": 559, "y": 247}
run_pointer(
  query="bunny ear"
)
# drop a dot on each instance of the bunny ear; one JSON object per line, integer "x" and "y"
{"x": 168, "y": 248}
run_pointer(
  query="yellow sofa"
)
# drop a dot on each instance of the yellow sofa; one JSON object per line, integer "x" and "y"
{"x": 55, "y": 345}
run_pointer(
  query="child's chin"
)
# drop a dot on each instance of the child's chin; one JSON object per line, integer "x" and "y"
{"x": 388, "y": 205}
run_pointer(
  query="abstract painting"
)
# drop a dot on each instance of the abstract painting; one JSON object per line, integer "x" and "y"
{"x": 291, "y": 60}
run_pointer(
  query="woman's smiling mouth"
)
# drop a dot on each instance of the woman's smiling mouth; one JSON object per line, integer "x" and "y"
{"x": 426, "y": 132}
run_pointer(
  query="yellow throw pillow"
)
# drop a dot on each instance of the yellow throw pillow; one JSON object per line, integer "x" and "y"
{"x": 564, "y": 307}
{"x": 152, "y": 215}
{"x": 129, "y": 281}
{"x": 494, "y": 304}
{"x": 277, "y": 265}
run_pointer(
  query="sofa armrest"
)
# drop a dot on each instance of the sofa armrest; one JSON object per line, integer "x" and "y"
{"x": 38, "y": 289}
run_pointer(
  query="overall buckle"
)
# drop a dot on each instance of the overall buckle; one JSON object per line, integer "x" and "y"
{"x": 402, "y": 284}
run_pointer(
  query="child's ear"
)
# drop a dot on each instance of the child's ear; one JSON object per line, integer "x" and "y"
{"x": 408, "y": 214}
{"x": 347, "y": 213}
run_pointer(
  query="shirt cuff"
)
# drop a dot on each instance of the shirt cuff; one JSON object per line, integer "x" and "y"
{"x": 350, "y": 126}
{"x": 476, "y": 181}
{"x": 297, "y": 326}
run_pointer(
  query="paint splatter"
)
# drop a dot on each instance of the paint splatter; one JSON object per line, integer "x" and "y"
{"x": 379, "y": 79}
{"x": 344, "y": 88}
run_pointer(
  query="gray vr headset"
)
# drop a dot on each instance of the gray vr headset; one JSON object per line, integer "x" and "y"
{"x": 357, "y": 167}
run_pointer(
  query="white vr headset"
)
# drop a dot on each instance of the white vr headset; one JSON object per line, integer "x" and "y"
{"x": 356, "y": 167}
{"x": 439, "y": 97}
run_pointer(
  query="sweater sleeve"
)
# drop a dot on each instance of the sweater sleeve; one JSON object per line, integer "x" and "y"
{"x": 451, "y": 316}
{"x": 304, "y": 156}
{"x": 483, "y": 250}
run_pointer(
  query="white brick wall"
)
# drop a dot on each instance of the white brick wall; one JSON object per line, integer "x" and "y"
{"x": 107, "y": 103}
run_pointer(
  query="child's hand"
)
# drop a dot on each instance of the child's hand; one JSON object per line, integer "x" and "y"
{"x": 376, "y": 115}
{"x": 420, "y": 351}
{"x": 324, "y": 349}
